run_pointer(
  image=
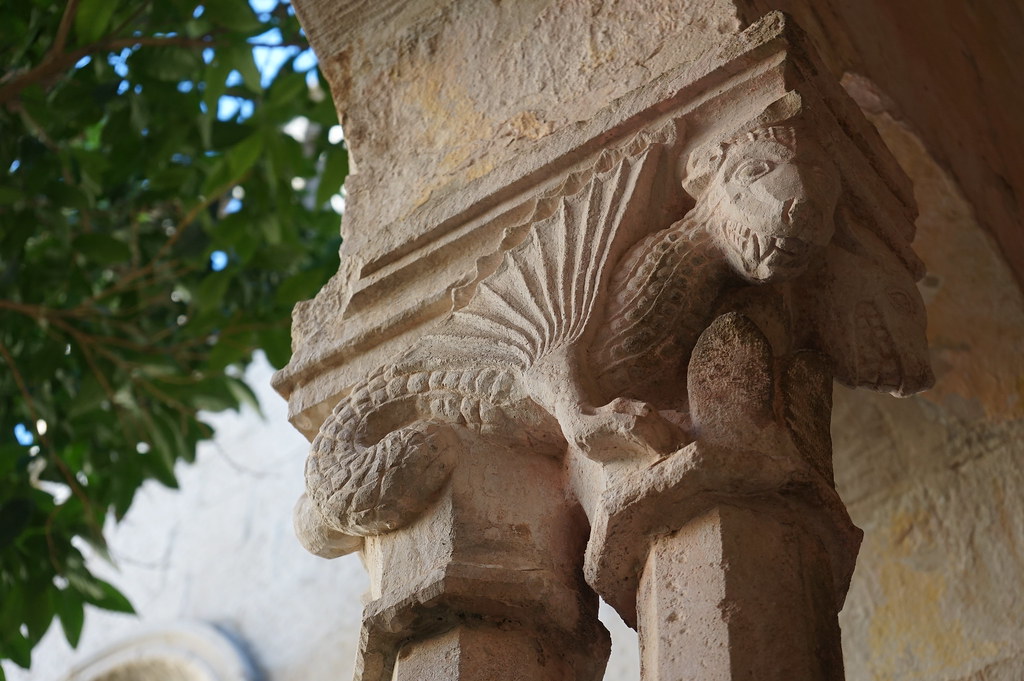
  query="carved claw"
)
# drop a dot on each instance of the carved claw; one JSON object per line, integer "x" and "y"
{"x": 621, "y": 428}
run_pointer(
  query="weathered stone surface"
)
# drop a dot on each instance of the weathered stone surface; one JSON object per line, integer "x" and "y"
{"x": 474, "y": 653}
{"x": 466, "y": 86}
{"x": 653, "y": 304}
{"x": 501, "y": 549}
{"x": 737, "y": 594}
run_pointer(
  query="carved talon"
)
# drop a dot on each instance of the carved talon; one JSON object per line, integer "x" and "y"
{"x": 622, "y": 428}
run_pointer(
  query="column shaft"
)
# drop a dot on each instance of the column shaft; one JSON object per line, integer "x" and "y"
{"x": 485, "y": 653}
{"x": 739, "y": 594}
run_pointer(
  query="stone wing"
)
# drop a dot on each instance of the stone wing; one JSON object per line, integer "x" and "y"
{"x": 546, "y": 289}
{"x": 864, "y": 311}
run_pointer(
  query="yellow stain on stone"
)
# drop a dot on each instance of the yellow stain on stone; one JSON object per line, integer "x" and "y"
{"x": 451, "y": 123}
{"x": 527, "y": 125}
{"x": 912, "y": 628}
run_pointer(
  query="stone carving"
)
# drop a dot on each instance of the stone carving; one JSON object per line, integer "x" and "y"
{"x": 569, "y": 322}
{"x": 764, "y": 212}
{"x": 632, "y": 392}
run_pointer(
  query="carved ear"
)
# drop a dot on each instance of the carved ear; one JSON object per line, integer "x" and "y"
{"x": 701, "y": 166}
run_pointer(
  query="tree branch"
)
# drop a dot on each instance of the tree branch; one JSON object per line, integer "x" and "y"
{"x": 51, "y": 65}
{"x": 61, "y": 38}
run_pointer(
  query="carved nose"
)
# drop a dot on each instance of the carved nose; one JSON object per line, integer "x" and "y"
{"x": 789, "y": 211}
{"x": 797, "y": 215}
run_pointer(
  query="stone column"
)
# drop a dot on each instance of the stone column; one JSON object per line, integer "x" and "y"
{"x": 732, "y": 589}
{"x": 583, "y": 339}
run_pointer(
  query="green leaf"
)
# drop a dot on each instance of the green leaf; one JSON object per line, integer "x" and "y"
{"x": 216, "y": 77}
{"x": 82, "y": 581}
{"x": 169, "y": 64}
{"x": 210, "y": 294}
{"x": 93, "y": 19}
{"x": 243, "y": 155}
{"x": 235, "y": 15}
{"x": 168, "y": 447}
{"x": 241, "y": 59}
{"x": 110, "y": 598}
{"x": 15, "y": 516}
{"x": 233, "y": 165}
{"x": 71, "y": 612}
{"x": 278, "y": 346}
{"x": 102, "y": 248}
{"x": 9, "y": 195}
{"x": 17, "y": 648}
{"x": 301, "y": 286}
{"x": 270, "y": 227}
{"x": 244, "y": 395}
{"x": 39, "y": 611}
{"x": 213, "y": 394}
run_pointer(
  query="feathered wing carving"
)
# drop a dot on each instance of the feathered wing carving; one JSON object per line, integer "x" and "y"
{"x": 385, "y": 452}
{"x": 545, "y": 292}
{"x": 864, "y": 311}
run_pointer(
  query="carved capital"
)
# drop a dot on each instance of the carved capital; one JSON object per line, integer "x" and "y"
{"x": 658, "y": 307}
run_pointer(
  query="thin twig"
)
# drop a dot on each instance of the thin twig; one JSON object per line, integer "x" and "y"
{"x": 50, "y": 67}
{"x": 63, "y": 29}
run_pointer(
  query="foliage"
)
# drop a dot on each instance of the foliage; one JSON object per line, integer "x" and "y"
{"x": 151, "y": 239}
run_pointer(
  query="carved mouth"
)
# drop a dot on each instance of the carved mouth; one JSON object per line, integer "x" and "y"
{"x": 766, "y": 251}
{"x": 772, "y": 250}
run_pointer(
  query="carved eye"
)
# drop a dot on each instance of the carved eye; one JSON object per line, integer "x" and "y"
{"x": 901, "y": 301}
{"x": 753, "y": 169}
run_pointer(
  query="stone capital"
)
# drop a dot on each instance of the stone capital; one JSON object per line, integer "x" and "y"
{"x": 554, "y": 366}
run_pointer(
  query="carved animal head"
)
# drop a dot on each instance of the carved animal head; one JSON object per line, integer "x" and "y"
{"x": 769, "y": 198}
{"x": 868, "y": 316}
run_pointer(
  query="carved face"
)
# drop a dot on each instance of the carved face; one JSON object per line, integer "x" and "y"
{"x": 776, "y": 194}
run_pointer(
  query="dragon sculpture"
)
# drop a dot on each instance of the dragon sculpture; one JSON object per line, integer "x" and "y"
{"x": 583, "y": 332}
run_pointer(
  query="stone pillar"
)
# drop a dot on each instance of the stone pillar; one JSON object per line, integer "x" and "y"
{"x": 583, "y": 339}
{"x": 733, "y": 588}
